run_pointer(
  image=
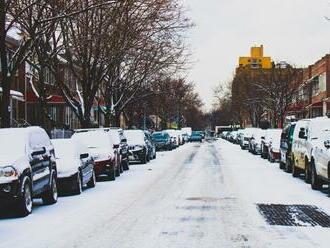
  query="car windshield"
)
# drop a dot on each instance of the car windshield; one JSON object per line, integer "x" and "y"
{"x": 158, "y": 136}
{"x": 64, "y": 149}
{"x": 134, "y": 136}
{"x": 14, "y": 144}
{"x": 93, "y": 139}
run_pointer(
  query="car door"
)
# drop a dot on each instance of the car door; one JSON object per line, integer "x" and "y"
{"x": 86, "y": 165}
{"x": 40, "y": 172}
{"x": 321, "y": 159}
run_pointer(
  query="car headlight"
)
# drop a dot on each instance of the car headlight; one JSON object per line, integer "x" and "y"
{"x": 8, "y": 172}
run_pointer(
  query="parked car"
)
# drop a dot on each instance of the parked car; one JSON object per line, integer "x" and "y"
{"x": 266, "y": 139}
{"x": 320, "y": 160}
{"x": 196, "y": 136}
{"x": 274, "y": 147}
{"x": 151, "y": 145}
{"x": 187, "y": 130}
{"x": 120, "y": 140}
{"x": 246, "y": 135}
{"x": 101, "y": 149}
{"x": 28, "y": 168}
{"x": 162, "y": 141}
{"x": 306, "y": 137}
{"x": 286, "y": 147}
{"x": 174, "y": 136}
{"x": 255, "y": 142}
{"x": 75, "y": 167}
{"x": 138, "y": 149}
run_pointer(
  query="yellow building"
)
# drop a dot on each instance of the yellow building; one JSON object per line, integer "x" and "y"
{"x": 256, "y": 59}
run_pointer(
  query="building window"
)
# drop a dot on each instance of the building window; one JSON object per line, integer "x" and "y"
{"x": 315, "y": 87}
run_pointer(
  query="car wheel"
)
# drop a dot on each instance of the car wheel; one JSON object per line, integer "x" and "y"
{"x": 295, "y": 170}
{"x": 50, "y": 196}
{"x": 77, "y": 184}
{"x": 92, "y": 181}
{"x": 282, "y": 165}
{"x": 126, "y": 165}
{"x": 25, "y": 200}
{"x": 288, "y": 165}
{"x": 316, "y": 183}
{"x": 118, "y": 171}
{"x": 307, "y": 173}
{"x": 112, "y": 174}
{"x": 155, "y": 155}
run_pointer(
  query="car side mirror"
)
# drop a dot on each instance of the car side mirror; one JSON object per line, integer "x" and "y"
{"x": 38, "y": 151}
{"x": 84, "y": 155}
{"x": 115, "y": 146}
{"x": 327, "y": 144}
{"x": 302, "y": 134}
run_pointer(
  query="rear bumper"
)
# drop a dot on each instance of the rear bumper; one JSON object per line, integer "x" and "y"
{"x": 275, "y": 155}
{"x": 104, "y": 167}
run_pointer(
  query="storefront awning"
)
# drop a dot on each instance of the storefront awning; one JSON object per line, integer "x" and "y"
{"x": 15, "y": 95}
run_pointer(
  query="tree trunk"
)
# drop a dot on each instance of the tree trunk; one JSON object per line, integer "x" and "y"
{"x": 6, "y": 80}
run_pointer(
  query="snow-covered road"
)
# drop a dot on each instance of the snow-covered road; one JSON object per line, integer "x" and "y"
{"x": 200, "y": 195}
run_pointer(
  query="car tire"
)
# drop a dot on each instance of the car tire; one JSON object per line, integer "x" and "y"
{"x": 307, "y": 177}
{"x": 144, "y": 158}
{"x": 126, "y": 165}
{"x": 112, "y": 174}
{"x": 50, "y": 196}
{"x": 77, "y": 184}
{"x": 295, "y": 171}
{"x": 155, "y": 156}
{"x": 282, "y": 165}
{"x": 92, "y": 181}
{"x": 316, "y": 182}
{"x": 24, "y": 207}
{"x": 118, "y": 170}
{"x": 288, "y": 165}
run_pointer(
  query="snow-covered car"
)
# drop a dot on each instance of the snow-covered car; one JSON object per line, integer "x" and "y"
{"x": 27, "y": 168}
{"x": 266, "y": 139}
{"x": 75, "y": 167}
{"x": 138, "y": 149}
{"x": 309, "y": 134}
{"x": 101, "y": 149}
{"x": 255, "y": 141}
{"x": 286, "y": 147}
{"x": 320, "y": 161}
{"x": 151, "y": 145}
{"x": 245, "y": 137}
{"x": 187, "y": 130}
{"x": 174, "y": 136}
{"x": 274, "y": 146}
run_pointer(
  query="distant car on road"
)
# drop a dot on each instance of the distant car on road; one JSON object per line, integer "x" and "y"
{"x": 75, "y": 167}
{"x": 162, "y": 141}
{"x": 196, "y": 136}
{"x": 27, "y": 168}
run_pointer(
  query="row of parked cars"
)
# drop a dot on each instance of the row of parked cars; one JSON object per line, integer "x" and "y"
{"x": 34, "y": 166}
{"x": 302, "y": 148}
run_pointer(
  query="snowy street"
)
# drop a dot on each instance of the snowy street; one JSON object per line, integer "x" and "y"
{"x": 199, "y": 195}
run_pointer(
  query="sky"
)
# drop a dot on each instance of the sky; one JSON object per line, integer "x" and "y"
{"x": 295, "y": 31}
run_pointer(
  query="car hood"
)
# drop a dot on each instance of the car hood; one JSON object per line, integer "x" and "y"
{"x": 20, "y": 163}
{"x": 65, "y": 164}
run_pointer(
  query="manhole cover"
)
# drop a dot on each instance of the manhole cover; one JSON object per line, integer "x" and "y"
{"x": 294, "y": 215}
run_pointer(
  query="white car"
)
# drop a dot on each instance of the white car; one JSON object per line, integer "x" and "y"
{"x": 174, "y": 136}
{"x": 255, "y": 142}
{"x": 137, "y": 146}
{"x": 267, "y": 139}
{"x": 75, "y": 167}
{"x": 274, "y": 146}
{"x": 309, "y": 134}
{"x": 101, "y": 149}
